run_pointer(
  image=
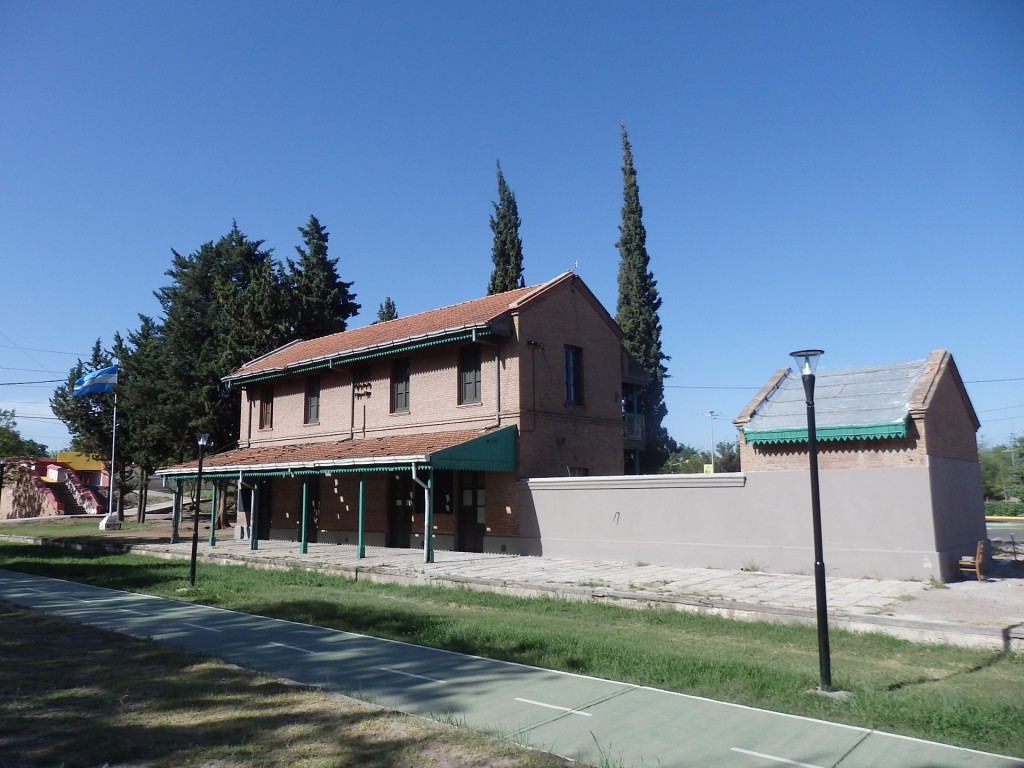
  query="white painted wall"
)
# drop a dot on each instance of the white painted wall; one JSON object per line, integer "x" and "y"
{"x": 876, "y": 523}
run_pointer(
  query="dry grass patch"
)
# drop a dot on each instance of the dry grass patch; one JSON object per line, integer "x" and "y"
{"x": 75, "y": 696}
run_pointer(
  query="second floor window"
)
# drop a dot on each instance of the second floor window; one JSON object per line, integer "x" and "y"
{"x": 469, "y": 374}
{"x": 312, "y": 410}
{"x": 574, "y": 375}
{"x": 266, "y": 404}
{"x": 400, "y": 386}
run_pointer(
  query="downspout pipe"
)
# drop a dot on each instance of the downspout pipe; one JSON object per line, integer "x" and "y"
{"x": 497, "y": 377}
{"x": 428, "y": 518}
{"x": 242, "y": 484}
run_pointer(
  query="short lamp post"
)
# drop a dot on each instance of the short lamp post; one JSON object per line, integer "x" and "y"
{"x": 3, "y": 464}
{"x": 806, "y": 362}
{"x": 203, "y": 440}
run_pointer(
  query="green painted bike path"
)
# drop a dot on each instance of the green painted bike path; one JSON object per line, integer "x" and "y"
{"x": 579, "y": 717}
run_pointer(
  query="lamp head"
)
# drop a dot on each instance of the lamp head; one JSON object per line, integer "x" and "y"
{"x": 807, "y": 360}
{"x": 202, "y": 439}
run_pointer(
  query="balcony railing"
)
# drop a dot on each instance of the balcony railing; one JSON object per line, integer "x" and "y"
{"x": 633, "y": 426}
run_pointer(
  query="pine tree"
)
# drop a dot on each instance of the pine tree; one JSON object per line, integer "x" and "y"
{"x": 12, "y": 443}
{"x": 507, "y": 251}
{"x": 222, "y": 308}
{"x": 147, "y": 419}
{"x": 637, "y": 314}
{"x": 321, "y": 303}
{"x": 387, "y": 311}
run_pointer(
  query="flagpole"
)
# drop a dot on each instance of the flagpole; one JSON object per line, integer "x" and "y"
{"x": 113, "y": 454}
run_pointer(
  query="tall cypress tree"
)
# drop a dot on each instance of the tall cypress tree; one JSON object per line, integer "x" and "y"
{"x": 321, "y": 303}
{"x": 637, "y": 314}
{"x": 507, "y": 251}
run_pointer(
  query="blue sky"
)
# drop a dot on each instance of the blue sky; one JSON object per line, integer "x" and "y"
{"x": 848, "y": 176}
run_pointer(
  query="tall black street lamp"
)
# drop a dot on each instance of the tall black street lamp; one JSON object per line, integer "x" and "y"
{"x": 3, "y": 463}
{"x": 806, "y": 362}
{"x": 203, "y": 440}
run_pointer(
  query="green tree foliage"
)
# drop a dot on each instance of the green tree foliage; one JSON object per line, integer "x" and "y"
{"x": 685, "y": 460}
{"x": 221, "y": 309}
{"x": 1002, "y": 470}
{"x": 637, "y": 315}
{"x": 226, "y": 303}
{"x": 387, "y": 311}
{"x": 507, "y": 250}
{"x": 146, "y": 416}
{"x": 320, "y": 303}
{"x": 727, "y": 456}
{"x": 12, "y": 444}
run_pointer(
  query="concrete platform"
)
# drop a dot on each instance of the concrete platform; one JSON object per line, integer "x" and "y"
{"x": 986, "y": 614}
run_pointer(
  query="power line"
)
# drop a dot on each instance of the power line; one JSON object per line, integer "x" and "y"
{"x": 680, "y": 386}
{"x": 44, "y": 381}
{"x": 33, "y": 349}
{"x": 28, "y": 370}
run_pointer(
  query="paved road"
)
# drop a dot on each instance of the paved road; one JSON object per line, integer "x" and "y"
{"x": 575, "y": 716}
{"x": 1002, "y": 530}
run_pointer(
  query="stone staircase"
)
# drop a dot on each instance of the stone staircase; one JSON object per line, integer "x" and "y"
{"x": 64, "y": 496}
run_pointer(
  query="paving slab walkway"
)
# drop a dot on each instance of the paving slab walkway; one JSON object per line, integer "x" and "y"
{"x": 988, "y": 614}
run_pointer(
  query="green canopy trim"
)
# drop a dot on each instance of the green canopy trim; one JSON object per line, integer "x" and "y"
{"x": 826, "y": 434}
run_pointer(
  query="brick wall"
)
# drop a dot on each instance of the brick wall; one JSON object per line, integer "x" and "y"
{"x": 554, "y": 435}
{"x": 845, "y": 454}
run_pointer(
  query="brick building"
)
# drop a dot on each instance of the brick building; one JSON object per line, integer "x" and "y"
{"x": 897, "y": 453}
{"x": 378, "y": 435}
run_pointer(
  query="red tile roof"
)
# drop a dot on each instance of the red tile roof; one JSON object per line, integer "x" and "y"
{"x": 367, "y": 451}
{"x": 477, "y": 313}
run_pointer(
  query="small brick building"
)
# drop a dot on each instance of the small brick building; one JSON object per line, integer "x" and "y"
{"x": 381, "y": 434}
{"x": 897, "y": 455}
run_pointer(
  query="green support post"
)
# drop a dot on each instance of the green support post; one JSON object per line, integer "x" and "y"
{"x": 305, "y": 513}
{"x": 213, "y": 515}
{"x": 254, "y": 523}
{"x": 429, "y": 533}
{"x": 361, "y": 546}
{"x": 176, "y": 513}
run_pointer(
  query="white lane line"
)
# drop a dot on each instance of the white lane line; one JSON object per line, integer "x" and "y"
{"x": 570, "y": 710}
{"x": 200, "y": 626}
{"x": 129, "y": 610}
{"x": 782, "y": 760}
{"x": 410, "y": 674}
{"x": 291, "y": 647}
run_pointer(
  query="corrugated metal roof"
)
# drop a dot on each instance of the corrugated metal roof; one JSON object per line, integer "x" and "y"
{"x": 850, "y": 404}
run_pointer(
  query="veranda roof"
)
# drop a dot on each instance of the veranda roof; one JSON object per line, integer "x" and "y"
{"x": 493, "y": 451}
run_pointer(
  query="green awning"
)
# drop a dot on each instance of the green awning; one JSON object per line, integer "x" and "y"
{"x": 826, "y": 434}
{"x": 492, "y": 452}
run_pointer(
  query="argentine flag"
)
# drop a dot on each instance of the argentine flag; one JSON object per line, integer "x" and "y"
{"x": 97, "y": 382}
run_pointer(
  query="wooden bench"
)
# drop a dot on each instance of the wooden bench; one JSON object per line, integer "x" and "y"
{"x": 974, "y": 564}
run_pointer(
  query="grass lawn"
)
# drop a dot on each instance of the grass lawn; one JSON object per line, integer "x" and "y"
{"x": 954, "y": 695}
{"x": 76, "y": 696}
